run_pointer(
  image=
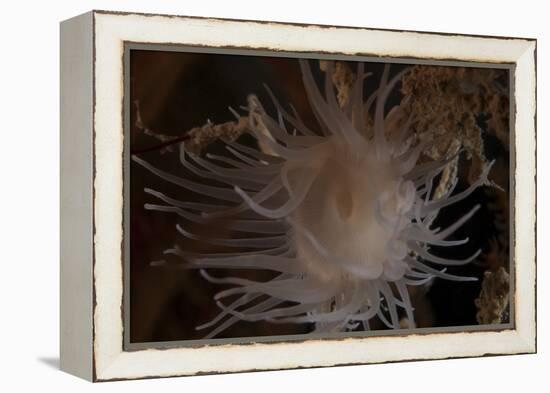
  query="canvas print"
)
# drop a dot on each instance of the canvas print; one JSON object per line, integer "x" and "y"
{"x": 291, "y": 196}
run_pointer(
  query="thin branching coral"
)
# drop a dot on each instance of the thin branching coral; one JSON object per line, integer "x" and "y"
{"x": 341, "y": 213}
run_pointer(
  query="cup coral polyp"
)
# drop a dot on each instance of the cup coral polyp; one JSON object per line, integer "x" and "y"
{"x": 342, "y": 213}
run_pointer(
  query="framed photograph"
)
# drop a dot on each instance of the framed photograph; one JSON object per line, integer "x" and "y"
{"x": 243, "y": 195}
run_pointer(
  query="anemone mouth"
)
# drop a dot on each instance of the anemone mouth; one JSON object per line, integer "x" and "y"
{"x": 344, "y": 204}
{"x": 342, "y": 216}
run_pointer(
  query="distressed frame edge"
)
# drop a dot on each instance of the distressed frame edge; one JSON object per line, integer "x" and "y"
{"x": 524, "y": 336}
{"x": 76, "y": 196}
{"x": 301, "y": 24}
{"x": 525, "y": 202}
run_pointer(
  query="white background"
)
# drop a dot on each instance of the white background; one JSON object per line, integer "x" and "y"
{"x": 29, "y": 196}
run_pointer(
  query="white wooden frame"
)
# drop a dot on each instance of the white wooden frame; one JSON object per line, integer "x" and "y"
{"x": 92, "y": 141}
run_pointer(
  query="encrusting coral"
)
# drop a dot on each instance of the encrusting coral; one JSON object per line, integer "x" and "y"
{"x": 458, "y": 99}
{"x": 494, "y": 298}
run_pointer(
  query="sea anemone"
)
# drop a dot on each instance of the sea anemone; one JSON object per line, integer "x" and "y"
{"x": 342, "y": 213}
